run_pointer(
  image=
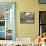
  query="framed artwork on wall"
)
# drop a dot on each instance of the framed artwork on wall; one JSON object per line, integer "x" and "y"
{"x": 7, "y": 20}
{"x": 42, "y": 1}
{"x": 27, "y": 17}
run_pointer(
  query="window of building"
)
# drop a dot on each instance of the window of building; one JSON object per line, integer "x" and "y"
{"x": 7, "y": 21}
{"x": 42, "y": 22}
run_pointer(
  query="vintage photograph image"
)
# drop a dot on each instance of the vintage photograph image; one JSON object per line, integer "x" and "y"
{"x": 27, "y": 17}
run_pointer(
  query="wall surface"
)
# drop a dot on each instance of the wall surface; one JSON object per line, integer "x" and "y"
{"x": 27, "y": 30}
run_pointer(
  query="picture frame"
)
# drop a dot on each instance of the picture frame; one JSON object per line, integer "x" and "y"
{"x": 42, "y": 1}
{"x": 27, "y": 17}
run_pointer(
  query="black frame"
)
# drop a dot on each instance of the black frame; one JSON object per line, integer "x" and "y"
{"x": 39, "y": 25}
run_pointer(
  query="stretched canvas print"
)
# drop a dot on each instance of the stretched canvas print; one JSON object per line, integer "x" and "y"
{"x": 7, "y": 21}
{"x": 27, "y": 17}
